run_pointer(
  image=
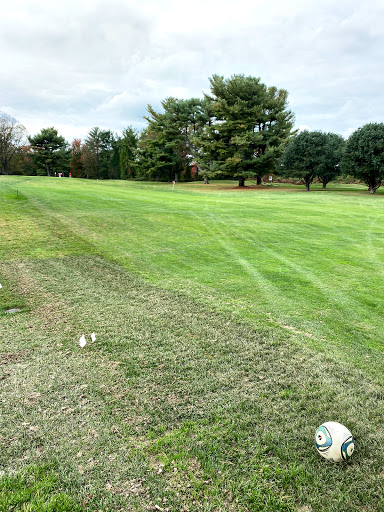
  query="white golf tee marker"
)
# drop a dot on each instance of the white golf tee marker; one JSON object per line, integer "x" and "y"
{"x": 93, "y": 337}
{"x": 82, "y": 341}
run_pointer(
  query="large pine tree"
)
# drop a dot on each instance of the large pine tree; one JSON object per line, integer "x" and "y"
{"x": 50, "y": 152}
{"x": 250, "y": 124}
{"x": 101, "y": 155}
{"x": 128, "y": 144}
{"x": 163, "y": 150}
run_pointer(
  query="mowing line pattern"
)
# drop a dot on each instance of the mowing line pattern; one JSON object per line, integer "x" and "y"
{"x": 174, "y": 405}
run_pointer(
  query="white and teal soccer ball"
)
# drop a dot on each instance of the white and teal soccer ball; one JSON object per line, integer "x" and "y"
{"x": 334, "y": 442}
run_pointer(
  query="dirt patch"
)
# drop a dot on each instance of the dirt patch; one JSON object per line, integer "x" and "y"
{"x": 133, "y": 487}
{"x": 13, "y": 357}
{"x": 51, "y": 312}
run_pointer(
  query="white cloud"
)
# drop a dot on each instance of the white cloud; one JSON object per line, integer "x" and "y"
{"x": 97, "y": 63}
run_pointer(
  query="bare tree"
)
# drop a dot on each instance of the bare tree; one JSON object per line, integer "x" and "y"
{"x": 12, "y": 136}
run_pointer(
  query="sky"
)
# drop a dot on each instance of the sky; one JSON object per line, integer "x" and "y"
{"x": 79, "y": 64}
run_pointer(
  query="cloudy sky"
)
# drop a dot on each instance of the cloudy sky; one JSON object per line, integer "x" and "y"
{"x": 79, "y": 64}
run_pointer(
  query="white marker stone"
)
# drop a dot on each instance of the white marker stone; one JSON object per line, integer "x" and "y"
{"x": 93, "y": 337}
{"x": 82, "y": 341}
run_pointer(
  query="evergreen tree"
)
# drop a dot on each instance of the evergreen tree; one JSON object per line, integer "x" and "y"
{"x": 163, "y": 151}
{"x": 77, "y": 166}
{"x": 100, "y": 155}
{"x": 128, "y": 148}
{"x": 109, "y": 156}
{"x": 50, "y": 152}
{"x": 170, "y": 144}
{"x": 191, "y": 117}
{"x": 250, "y": 124}
{"x": 91, "y": 153}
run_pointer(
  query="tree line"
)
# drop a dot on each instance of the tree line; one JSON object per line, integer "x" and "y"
{"x": 241, "y": 130}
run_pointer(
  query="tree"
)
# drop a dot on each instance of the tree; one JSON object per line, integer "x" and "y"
{"x": 170, "y": 144}
{"x": 308, "y": 155}
{"x": 77, "y": 166}
{"x": 50, "y": 151}
{"x": 364, "y": 155}
{"x": 206, "y": 154}
{"x": 100, "y": 154}
{"x": 91, "y": 153}
{"x": 21, "y": 162}
{"x": 109, "y": 156}
{"x": 163, "y": 151}
{"x": 191, "y": 117}
{"x": 250, "y": 124}
{"x": 332, "y": 152}
{"x": 12, "y": 137}
{"x": 128, "y": 144}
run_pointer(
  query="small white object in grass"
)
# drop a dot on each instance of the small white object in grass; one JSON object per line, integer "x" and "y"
{"x": 0, "y": 286}
{"x": 334, "y": 442}
{"x": 93, "y": 337}
{"x": 82, "y": 341}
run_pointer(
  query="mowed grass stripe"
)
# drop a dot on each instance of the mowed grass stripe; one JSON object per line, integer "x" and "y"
{"x": 308, "y": 263}
{"x": 175, "y": 405}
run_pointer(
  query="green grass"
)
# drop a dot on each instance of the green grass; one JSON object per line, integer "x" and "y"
{"x": 229, "y": 325}
{"x": 35, "y": 489}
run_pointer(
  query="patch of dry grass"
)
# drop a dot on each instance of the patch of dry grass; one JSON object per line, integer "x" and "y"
{"x": 174, "y": 406}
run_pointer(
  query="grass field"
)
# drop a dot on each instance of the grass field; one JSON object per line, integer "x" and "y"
{"x": 230, "y": 324}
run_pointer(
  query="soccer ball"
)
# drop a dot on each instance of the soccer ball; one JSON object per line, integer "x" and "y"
{"x": 334, "y": 442}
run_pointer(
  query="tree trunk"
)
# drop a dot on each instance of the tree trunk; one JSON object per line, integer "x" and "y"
{"x": 372, "y": 190}
{"x": 47, "y": 169}
{"x": 206, "y": 182}
{"x": 324, "y": 185}
{"x": 241, "y": 181}
{"x": 5, "y": 167}
{"x": 307, "y": 187}
{"x": 258, "y": 178}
